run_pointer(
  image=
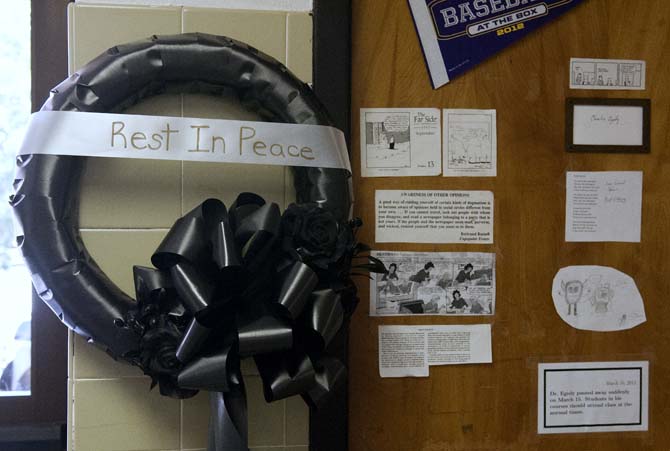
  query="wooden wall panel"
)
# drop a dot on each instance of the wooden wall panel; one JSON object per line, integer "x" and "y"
{"x": 493, "y": 407}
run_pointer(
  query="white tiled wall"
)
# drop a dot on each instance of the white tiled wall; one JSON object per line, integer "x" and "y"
{"x": 126, "y": 209}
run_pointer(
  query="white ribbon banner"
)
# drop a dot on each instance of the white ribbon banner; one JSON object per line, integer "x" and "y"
{"x": 190, "y": 139}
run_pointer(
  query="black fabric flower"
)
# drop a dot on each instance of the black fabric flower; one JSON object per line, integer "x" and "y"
{"x": 163, "y": 330}
{"x": 158, "y": 355}
{"x": 314, "y": 236}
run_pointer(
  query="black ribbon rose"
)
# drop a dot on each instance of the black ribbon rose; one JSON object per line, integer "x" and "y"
{"x": 247, "y": 282}
{"x": 314, "y": 236}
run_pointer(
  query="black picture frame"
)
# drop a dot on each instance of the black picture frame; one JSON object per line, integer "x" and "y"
{"x": 570, "y": 146}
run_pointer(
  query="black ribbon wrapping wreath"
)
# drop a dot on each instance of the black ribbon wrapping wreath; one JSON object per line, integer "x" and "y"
{"x": 229, "y": 283}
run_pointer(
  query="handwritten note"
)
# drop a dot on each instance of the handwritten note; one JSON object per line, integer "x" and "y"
{"x": 608, "y": 125}
{"x": 603, "y": 206}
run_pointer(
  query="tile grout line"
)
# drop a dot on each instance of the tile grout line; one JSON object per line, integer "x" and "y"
{"x": 181, "y": 209}
{"x": 181, "y": 106}
{"x": 286, "y": 169}
{"x": 181, "y": 424}
{"x": 128, "y": 229}
{"x": 107, "y": 379}
{"x": 284, "y": 431}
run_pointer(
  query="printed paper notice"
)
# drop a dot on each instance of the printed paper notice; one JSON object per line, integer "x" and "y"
{"x": 592, "y": 397}
{"x": 434, "y": 216}
{"x": 607, "y": 74}
{"x": 470, "y": 143}
{"x": 408, "y": 351}
{"x": 400, "y": 142}
{"x": 603, "y": 206}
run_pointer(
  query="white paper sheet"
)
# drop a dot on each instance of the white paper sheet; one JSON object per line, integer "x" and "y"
{"x": 434, "y": 216}
{"x": 592, "y": 397}
{"x": 408, "y": 351}
{"x": 434, "y": 283}
{"x": 588, "y": 73}
{"x": 403, "y": 351}
{"x": 470, "y": 143}
{"x": 400, "y": 142}
{"x": 603, "y": 206}
{"x": 597, "y": 298}
{"x": 111, "y": 135}
{"x": 608, "y": 125}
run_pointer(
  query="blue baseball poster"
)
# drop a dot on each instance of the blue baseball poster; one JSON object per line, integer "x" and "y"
{"x": 458, "y": 34}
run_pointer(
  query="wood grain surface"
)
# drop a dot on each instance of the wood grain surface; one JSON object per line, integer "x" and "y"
{"x": 493, "y": 407}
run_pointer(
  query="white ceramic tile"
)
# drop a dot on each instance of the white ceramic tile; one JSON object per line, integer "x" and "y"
{"x": 264, "y": 30}
{"x": 297, "y": 421}
{"x": 123, "y": 415}
{"x": 266, "y": 420}
{"x": 299, "y": 45}
{"x": 96, "y": 28}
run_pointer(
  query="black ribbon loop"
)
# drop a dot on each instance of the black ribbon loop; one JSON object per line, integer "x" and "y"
{"x": 225, "y": 289}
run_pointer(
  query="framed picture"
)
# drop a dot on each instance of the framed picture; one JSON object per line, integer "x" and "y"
{"x": 608, "y": 125}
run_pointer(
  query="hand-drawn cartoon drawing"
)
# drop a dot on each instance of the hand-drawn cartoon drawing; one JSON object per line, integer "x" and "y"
{"x": 572, "y": 291}
{"x": 610, "y": 299}
{"x": 470, "y": 145}
{"x": 470, "y": 142}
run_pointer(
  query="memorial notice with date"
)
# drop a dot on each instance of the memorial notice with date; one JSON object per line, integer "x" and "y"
{"x": 434, "y": 216}
{"x": 592, "y": 397}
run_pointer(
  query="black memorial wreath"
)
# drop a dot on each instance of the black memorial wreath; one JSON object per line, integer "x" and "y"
{"x": 229, "y": 282}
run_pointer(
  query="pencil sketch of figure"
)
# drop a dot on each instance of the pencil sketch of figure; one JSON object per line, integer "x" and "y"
{"x": 622, "y": 321}
{"x": 602, "y": 297}
{"x": 573, "y": 294}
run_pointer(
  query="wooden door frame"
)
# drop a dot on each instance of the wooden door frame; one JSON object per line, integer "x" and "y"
{"x": 48, "y": 401}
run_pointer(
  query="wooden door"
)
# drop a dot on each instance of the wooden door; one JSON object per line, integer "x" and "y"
{"x": 493, "y": 407}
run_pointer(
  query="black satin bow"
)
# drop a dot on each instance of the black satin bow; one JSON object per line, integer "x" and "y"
{"x": 224, "y": 290}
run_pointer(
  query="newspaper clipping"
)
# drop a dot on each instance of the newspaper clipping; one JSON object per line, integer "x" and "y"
{"x": 434, "y": 283}
{"x": 410, "y": 351}
{"x": 434, "y": 216}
